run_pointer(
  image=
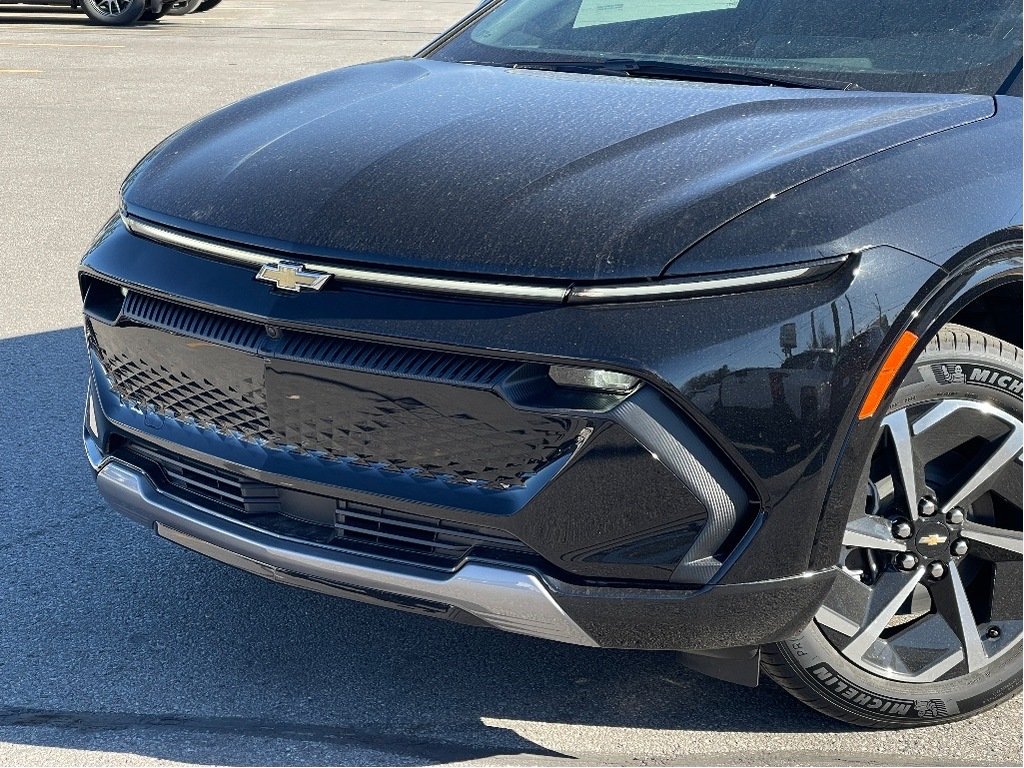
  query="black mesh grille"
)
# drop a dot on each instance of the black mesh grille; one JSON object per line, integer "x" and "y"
{"x": 236, "y": 407}
{"x": 393, "y": 408}
{"x": 356, "y": 526}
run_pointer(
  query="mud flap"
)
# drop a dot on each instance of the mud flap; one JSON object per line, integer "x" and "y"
{"x": 733, "y": 665}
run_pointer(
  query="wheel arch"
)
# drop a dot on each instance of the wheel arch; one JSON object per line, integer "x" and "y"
{"x": 990, "y": 273}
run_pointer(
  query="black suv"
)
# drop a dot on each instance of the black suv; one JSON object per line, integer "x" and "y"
{"x": 109, "y": 12}
{"x": 689, "y": 325}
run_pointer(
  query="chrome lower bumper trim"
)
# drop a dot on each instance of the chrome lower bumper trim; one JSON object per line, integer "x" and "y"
{"x": 505, "y": 598}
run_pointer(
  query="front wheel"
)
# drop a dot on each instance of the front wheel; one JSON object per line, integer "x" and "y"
{"x": 924, "y": 624}
{"x": 114, "y": 13}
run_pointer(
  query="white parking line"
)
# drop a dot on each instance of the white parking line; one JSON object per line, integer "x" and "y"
{"x": 57, "y": 45}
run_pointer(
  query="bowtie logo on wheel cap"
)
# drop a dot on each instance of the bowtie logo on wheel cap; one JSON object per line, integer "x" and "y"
{"x": 292, "y": 277}
{"x": 932, "y": 540}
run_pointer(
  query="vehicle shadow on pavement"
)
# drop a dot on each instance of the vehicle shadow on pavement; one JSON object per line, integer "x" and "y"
{"x": 55, "y": 16}
{"x": 113, "y": 641}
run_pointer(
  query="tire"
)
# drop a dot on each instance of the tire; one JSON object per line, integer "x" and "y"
{"x": 207, "y": 5}
{"x": 184, "y": 8}
{"x": 948, "y": 645}
{"x": 114, "y": 13}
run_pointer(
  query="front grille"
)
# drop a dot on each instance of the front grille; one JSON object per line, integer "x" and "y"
{"x": 224, "y": 488}
{"x": 378, "y": 527}
{"x": 392, "y": 408}
{"x": 238, "y": 407}
{"x": 353, "y": 526}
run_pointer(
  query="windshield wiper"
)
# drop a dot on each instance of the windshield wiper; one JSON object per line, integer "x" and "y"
{"x": 671, "y": 71}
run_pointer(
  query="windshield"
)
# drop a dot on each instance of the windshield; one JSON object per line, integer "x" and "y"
{"x": 933, "y": 46}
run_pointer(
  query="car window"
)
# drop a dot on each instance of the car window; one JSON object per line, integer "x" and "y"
{"x": 950, "y": 46}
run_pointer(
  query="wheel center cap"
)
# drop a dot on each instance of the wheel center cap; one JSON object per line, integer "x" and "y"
{"x": 932, "y": 540}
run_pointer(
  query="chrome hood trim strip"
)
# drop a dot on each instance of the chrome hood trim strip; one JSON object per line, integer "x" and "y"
{"x": 553, "y": 294}
{"x": 160, "y": 234}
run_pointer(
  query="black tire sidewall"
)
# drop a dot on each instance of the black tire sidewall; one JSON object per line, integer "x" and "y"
{"x": 945, "y": 370}
{"x": 882, "y": 702}
{"x": 129, "y": 16}
{"x": 187, "y": 8}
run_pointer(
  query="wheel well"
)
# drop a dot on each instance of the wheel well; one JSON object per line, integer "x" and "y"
{"x": 997, "y": 313}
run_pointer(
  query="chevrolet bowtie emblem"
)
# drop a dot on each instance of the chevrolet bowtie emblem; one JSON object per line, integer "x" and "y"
{"x": 932, "y": 539}
{"x": 292, "y": 277}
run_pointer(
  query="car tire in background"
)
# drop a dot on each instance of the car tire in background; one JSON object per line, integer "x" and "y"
{"x": 150, "y": 15}
{"x": 114, "y": 13}
{"x": 924, "y": 623}
{"x": 207, "y": 5}
{"x": 185, "y": 7}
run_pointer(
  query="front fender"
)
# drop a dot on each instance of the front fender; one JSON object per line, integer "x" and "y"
{"x": 986, "y": 265}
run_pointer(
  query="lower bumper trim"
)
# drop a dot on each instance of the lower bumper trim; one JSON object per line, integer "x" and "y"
{"x": 505, "y": 598}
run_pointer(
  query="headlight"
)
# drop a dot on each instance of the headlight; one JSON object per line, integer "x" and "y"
{"x": 593, "y": 379}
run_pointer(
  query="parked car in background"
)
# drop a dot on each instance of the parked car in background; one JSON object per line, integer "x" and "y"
{"x": 184, "y": 7}
{"x": 117, "y": 13}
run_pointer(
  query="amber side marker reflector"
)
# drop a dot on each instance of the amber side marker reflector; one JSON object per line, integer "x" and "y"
{"x": 883, "y": 380}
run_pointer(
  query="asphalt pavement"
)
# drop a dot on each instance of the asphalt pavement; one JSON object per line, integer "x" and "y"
{"x": 118, "y": 648}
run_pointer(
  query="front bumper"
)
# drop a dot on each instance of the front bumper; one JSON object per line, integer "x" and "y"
{"x": 500, "y": 597}
{"x": 513, "y": 599}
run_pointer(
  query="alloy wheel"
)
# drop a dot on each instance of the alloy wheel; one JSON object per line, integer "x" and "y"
{"x": 112, "y": 7}
{"x": 930, "y": 587}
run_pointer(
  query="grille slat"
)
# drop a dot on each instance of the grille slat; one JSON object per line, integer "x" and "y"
{"x": 357, "y": 527}
{"x": 223, "y": 487}
{"x": 462, "y": 536}
{"x": 384, "y": 528}
{"x": 381, "y": 537}
{"x": 345, "y": 353}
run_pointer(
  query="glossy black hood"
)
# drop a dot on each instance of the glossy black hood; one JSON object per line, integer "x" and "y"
{"x": 425, "y": 165}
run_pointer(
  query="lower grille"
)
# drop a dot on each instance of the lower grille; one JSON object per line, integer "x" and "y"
{"x": 221, "y": 487}
{"x": 377, "y": 527}
{"x": 340, "y": 523}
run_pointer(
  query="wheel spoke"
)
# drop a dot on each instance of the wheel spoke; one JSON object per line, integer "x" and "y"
{"x": 910, "y": 477}
{"x": 872, "y": 532}
{"x": 888, "y": 595}
{"x": 846, "y": 605}
{"x": 980, "y": 481}
{"x": 1007, "y": 451}
{"x": 1009, "y": 542}
{"x": 952, "y": 604}
{"x": 931, "y": 639}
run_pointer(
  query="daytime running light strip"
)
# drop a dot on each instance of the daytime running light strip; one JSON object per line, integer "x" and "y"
{"x": 666, "y": 289}
{"x": 674, "y": 288}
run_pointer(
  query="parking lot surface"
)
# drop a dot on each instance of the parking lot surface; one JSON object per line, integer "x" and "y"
{"x": 117, "y": 648}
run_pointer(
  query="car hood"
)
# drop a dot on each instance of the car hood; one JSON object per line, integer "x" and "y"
{"x": 416, "y": 164}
